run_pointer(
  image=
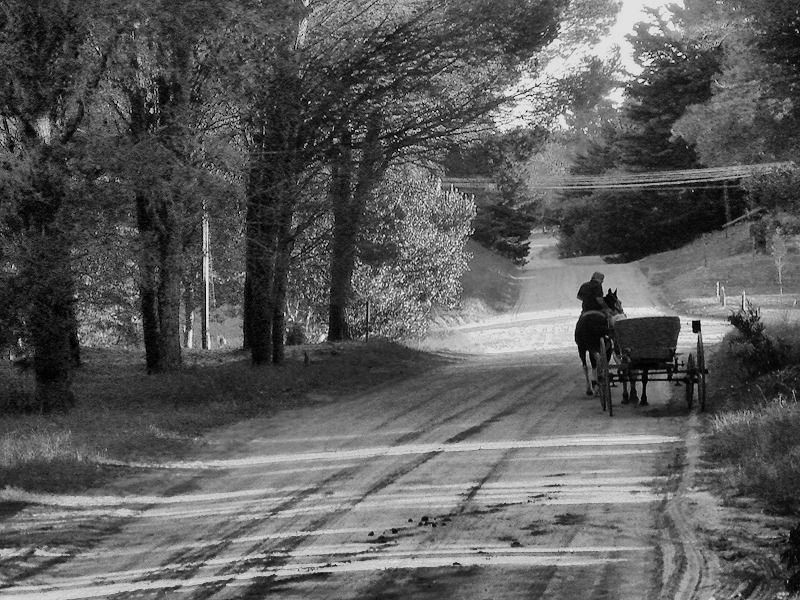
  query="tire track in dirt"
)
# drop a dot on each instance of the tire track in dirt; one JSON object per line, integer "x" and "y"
{"x": 258, "y": 589}
{"x": 462, "y": 413}
{"x": 412, "y": 389}
{"x": 687, "y": 565}
{"x": 379, "y": 584}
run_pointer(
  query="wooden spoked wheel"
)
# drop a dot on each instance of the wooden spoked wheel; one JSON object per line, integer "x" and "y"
{"x": 604, "y": 378}
{"x": 701, "y": 372}
{"x": 689, "y": 380}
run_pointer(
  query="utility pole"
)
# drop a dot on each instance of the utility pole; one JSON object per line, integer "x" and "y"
{"x": 204, "y": 329}
{"x": 726, "y": 200}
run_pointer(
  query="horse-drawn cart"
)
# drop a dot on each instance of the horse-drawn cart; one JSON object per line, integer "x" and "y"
{"x": 645, "y": 348}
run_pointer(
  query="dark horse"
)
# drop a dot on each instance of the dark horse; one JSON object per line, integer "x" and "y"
{"x": 592, "y": 328}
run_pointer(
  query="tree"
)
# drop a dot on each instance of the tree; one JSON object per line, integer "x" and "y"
{"x": 430, "y": 74}
{"x": 677, "y": 72}
{"x": 161, "y": 92}
{"x": 281, "y": 121}
{"x": 52, "y": 58}
{"x": 753, "y": 113}
{"x": 411, "y": 253}
{"x": 353, "y": 85}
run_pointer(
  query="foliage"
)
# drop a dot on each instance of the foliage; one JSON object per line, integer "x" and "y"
{"x": 776, "y": 190}
{"x": 505, "y": 230}
{"x": 677, "y": 71}
{"x": 412, "y": 254}
{"x": 585, "y": 94}
{"x": 504, "y": 218}
{"x": 757, "y": 351}
{"x": 753, "y": 114}
{"x": 52, "y": 58}
{"x": 636, "y": 223}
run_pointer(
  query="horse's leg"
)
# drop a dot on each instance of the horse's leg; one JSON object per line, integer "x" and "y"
{"x": 589, "y": 387}
{"x": 624, "y": 375}
{"x": 643, "y": 399}
{"x": 582, "y": 354}
{"x": 593, "y": 359}
{"x": 632, "y": 377}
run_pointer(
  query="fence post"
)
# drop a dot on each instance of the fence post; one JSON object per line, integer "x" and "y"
{"x": 722, "y": 294}
{"x": 744, "y": 299}
{"x": 718, "y": 291}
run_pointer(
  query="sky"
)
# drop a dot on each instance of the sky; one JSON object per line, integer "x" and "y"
{"x": 631, "y": 13}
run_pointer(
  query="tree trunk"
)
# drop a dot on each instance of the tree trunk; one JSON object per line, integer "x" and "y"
{"x": 148, "y": 285}
{"x": 46, "y": 271}
{"x": 349, "y": 203}
{"x": 247, "y": 303}
{"x": 74, "y": 339}
{"x": 188, "y": 315}
{"x": 282, "y": 263}
{"x": 276, "y": 162}
{"x": 340, "y": 276}
{"x": 51, "y": 320}
{"x": 169, "y": 290}
{"x": 260, "y": 268}
{"x": 161, "y": 272}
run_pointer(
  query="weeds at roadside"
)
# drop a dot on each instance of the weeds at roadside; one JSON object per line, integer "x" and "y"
{"x": 761, "y": 445}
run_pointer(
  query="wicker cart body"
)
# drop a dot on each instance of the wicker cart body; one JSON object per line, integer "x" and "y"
{"x": 646, "y": 349}
{"x": 650, "y": 342}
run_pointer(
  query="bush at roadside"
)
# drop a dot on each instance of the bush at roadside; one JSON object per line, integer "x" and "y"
{"x": 757, "y": 351}
{"x": 758, "y": 438}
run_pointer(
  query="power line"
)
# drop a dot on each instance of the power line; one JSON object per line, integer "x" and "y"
{"x": 655, "y": 179}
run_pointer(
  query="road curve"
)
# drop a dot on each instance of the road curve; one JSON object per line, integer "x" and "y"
{"x": 492, "y": 476}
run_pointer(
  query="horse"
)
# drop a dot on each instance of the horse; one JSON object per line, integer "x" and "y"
{"x": 622, "y": 357}
{"x": 591, "y": 331}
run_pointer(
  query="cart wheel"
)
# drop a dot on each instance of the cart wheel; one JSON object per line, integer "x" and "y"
{"x": 689, "y": 380}
{"x": 604, "y": 378}
{"x": 701, "y": 372}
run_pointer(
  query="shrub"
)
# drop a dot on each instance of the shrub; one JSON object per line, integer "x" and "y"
{"x": 758, "y": 352}
{"x": 295, "y": 334}
{"x": 748, "y": 321}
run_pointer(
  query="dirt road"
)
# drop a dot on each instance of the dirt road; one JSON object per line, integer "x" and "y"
{"x": 491, "y": 477}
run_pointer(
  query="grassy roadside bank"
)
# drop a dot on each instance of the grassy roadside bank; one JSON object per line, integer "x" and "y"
{"x": 755, "y": 375}
{"x": 747, "y": 503}
{"x": 123, "y": 414}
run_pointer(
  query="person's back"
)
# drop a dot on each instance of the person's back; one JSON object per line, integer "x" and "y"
{"x": 590, "y": 293}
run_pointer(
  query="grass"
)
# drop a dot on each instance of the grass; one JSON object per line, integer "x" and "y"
{"x": 122, "y": 414}
{"x": 760, "y": 447}
{"x": 688, "y": 276}
{"x": 755, "y": 418}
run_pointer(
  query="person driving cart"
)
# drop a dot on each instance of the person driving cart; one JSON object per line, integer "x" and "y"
{"x": 591, "y": 294}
